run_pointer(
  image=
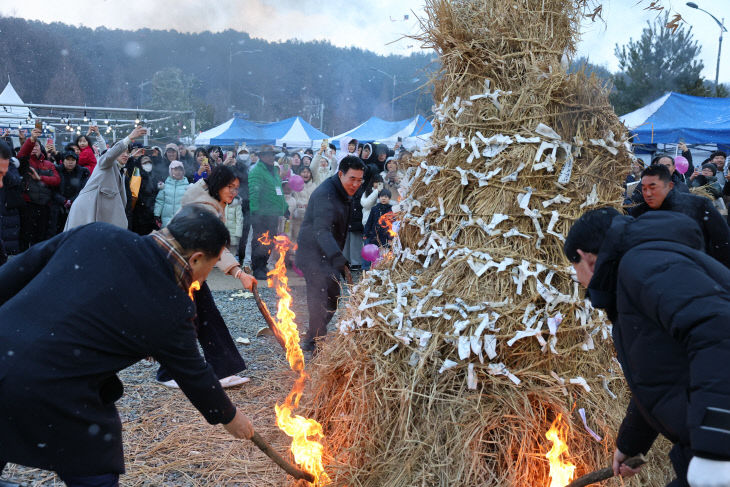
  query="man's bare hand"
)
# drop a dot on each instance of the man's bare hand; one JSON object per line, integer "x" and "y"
{"x": 137, "y": 132}
{"x": 240, "y": 427}
{"x": 247, "y": 280}
{"x": 618, "y": 466}
{"x": 34, "y": 134}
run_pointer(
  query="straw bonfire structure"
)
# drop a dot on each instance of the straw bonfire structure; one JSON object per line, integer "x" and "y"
{"x": 456, "y": 354}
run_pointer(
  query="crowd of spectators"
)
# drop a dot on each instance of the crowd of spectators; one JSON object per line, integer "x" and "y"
{"x": 43, "y": 182}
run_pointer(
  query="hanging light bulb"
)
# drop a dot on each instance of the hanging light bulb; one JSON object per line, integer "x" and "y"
{"x": 157, "y": 130}
{"x": 106, "y": 121}
{"x": 68, "y": 128}
{"x": 185, "y": 127}
{"x": 86, "y": 119}
{"x": 136, "y": 120}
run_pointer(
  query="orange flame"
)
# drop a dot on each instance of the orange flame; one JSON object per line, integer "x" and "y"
{"x": 195, "y": 286}
{"x": 386, "y": 221}
{"x": 305, "y": 433}
{"x": 561, "y": 471}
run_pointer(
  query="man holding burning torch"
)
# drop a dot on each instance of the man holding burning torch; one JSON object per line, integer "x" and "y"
{"x": 59, "y": 354}
{"x": 669, "y": 303}
{"x": 321, "y": 240}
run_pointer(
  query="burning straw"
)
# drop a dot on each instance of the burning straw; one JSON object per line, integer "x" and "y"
{"x": 459, "y": 351}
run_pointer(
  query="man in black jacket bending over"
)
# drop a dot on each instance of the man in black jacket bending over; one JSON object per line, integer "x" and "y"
{"x": 118, "y": 298}
{"x": 321, "y": 240}
{"x": 669, "y": 303}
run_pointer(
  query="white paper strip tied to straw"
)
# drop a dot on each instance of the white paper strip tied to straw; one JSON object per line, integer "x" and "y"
{"x": 606, "y": 388}
{"x": 513, "y": 176}
{"x": 547, "y": 132}
{"x": 602, "y": 143}
{"x": 558, "y": 199}
{"x": 501, "y": 369}
{"x": 591, "y": 199}
{"x": 582, "y": 413}
{"x": 551, "y": 226}
{"x": 448, "y": 364}
{"x": 580, "y": 381}
{"x": 471, "y": 378}
{"x": 491, "y": 95}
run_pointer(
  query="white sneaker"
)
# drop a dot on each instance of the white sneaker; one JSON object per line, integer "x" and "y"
{"x": 170, "y": 383}
{"x": 233, "y": 381}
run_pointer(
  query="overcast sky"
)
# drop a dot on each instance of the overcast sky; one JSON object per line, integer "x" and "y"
{"x": 370, "y": 24}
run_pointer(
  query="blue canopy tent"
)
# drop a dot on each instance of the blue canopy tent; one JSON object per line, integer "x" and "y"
{"x": 675, "y": 117}
{"x": 294, "y": 132}
{"x": 416, "y": 129}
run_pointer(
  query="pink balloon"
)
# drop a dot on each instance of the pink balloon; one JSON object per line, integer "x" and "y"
{"x": 681, "y": 164}
{"x": 296, "y": 183}
{"x": 370, "y": 252}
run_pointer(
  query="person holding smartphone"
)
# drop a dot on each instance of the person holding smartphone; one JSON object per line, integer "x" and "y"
{"x": 370, "y": 197}
{"x": 104, "y": 197}
{"x": 201, "y": 160}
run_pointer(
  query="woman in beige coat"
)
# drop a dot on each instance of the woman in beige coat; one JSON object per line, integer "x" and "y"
{"x": 104, "y": 197}
{"x": 214, "y": 194}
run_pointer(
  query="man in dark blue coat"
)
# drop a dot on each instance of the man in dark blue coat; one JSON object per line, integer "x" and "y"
{"x": 118, "y": 298}
{"x": 321, "y": 240}
{"x": 669, "y": 303}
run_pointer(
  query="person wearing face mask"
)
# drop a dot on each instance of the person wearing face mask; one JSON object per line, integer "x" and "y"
{"x": 169, "y": 198}
{"x": 104, "y": 198}
{"x": 143, "y": 217}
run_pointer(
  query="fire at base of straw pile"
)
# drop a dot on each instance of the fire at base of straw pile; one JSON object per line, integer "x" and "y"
{"x": 457, "y": 353}
{"x": 305, "y": 433}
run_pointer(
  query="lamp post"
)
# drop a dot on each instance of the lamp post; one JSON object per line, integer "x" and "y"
{"x": 392, "y": 101}
{"x": 257, "y": 96}
{"x": 230, "y": 65}
{"x": 719, "y": 45}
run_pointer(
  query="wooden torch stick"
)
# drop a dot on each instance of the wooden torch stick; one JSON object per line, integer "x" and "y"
{"x": 605, "y": 473}
{"x": 292, "y": 470}
{"x": 347, "y": 274}
{"x": 265, "y": 313}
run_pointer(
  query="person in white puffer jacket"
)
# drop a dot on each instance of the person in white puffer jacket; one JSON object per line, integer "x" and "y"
{"x": 370, "y": 197}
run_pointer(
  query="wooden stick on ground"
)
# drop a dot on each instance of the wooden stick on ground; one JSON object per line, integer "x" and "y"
{"x": 292, "y": 470}
{"x": 605, "y": 473}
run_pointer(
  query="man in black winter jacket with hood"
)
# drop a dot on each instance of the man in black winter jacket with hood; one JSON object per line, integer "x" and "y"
{"x": 669, "y": 303}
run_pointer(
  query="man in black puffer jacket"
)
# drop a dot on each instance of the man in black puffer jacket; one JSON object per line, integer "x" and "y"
{"x": 659, "y": 194}
{"x": 321, "y": 242}
{"x": 669, "y": 303}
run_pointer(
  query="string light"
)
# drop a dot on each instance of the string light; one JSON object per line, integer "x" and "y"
{"x": 86, "y": 119}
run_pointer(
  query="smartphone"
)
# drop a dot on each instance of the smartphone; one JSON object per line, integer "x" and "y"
{"x": 400, "y": 139}
{"x": 39, "y": 125}
{"x": 49, "y": 140}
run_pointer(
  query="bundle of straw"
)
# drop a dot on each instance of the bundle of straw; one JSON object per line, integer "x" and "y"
{"x": 456, "y": 354}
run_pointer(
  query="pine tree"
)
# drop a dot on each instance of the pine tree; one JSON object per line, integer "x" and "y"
{"x": 661, "y": 60}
